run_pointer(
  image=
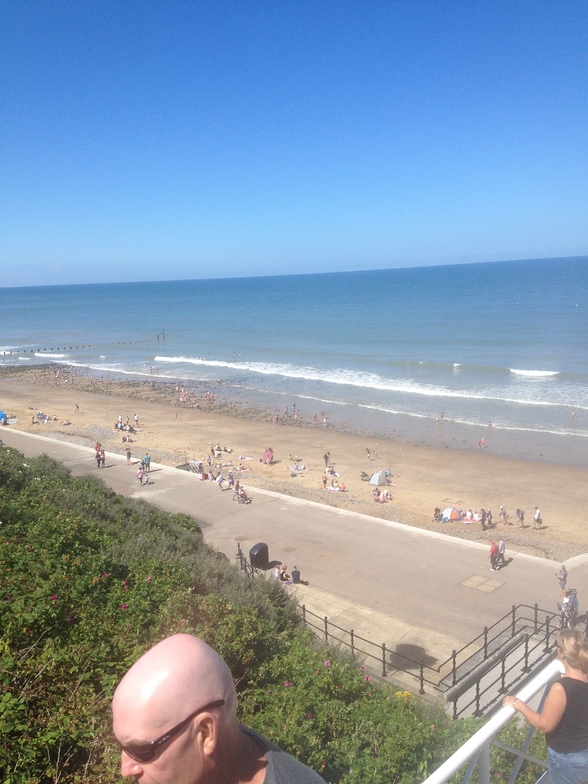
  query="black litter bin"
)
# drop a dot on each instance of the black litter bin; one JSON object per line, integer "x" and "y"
{"x": 259, "y": 555}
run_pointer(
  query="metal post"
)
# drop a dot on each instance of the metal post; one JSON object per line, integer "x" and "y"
{"x": 536, "y": 609}
{"x": 422, "y": 689}
{"x": 485, "y": 642}
{"x": 547, "y": 635}
{"x": 484, "y": 764}
{"x": 351, "y": 634}
{"x": 326, "y": 628}
{"x": 304, "y": 613}
{"x": 514, "y": 621}
{"x": 477, "y": 711}
{"x": 454, "y": 668}
{"x": 526, "y": 668}
{"x": 503, "y": 688}
{"x": 384, "y": 673}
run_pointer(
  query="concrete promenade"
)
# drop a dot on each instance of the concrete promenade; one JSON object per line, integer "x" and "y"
{"x": 421, "y": 592}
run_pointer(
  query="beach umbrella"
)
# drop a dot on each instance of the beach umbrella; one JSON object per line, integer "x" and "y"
{"x": 379, "y": 479}
{"x": 450, "y": 515}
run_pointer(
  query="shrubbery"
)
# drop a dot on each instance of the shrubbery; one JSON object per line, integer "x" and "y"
{"x": 91, "y": 579}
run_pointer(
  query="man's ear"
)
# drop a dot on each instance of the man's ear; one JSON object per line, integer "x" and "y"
{"x": 207, "y": 734}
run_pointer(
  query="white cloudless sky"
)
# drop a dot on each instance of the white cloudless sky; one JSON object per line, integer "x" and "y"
{"x": 175, "y": 140}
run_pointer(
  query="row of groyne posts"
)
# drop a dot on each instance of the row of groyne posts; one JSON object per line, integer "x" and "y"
{"x": 159, "y": 336}
{"x": 472, "y": 679}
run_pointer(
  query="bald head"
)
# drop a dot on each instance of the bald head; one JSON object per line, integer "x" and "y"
{"x": 176, "y": 677}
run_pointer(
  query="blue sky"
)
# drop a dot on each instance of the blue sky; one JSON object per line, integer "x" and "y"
{"x": 176, "y": 140}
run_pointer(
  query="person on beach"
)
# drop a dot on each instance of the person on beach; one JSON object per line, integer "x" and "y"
{"x": 493, "y": 556}
{"x": 128, "y": 454}
{"x": 174, "y": 718}
{"x": 537, "y": 521}
{"x": 520, "y": 515}
{"x": 504, "y": 516}
{"x": 327, "y": 459}
{"x": 562, "y": 576}
{"x": 564, "y": 716}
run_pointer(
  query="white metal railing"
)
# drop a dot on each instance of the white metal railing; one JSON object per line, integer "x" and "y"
{"x": 481, "y": 741}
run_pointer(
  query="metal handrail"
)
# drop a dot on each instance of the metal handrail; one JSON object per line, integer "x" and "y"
{"x": 479, "y": 743}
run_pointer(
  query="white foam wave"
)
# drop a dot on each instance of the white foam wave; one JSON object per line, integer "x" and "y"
{"x": 48, "y": 354}
{"x": 535, "y": 373}
{"x": 471, "y": 423}
{"x": 365, "y": 380}
{"x": 24, "y": 359}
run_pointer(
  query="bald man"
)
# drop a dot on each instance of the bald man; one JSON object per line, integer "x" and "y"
{"x": 175, "y": 719}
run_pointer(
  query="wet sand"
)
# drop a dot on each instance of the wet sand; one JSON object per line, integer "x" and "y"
{"x": 174, "y": 431}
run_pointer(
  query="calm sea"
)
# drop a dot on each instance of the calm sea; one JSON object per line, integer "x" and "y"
{"x": 381, "y": 352}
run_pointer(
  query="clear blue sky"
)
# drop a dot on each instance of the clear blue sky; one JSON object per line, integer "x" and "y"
{"x": 169, "y": 140}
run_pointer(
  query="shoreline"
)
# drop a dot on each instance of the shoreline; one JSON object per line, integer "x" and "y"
{"x": 174, "y": 431}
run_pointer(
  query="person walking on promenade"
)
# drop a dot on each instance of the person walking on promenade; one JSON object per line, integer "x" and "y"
{"x": 501, "y": 551}
{"x": 562, "y": 576}
{"x": 128, "y": 454}
{"x": 493, "y": 556}
{"x": 564, "y": 716}
{"x": 147, "y": 461}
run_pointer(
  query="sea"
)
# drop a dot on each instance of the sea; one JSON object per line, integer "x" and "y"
{"x": 485, "y": 356}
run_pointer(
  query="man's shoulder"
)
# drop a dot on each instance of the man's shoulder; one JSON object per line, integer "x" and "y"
{"x": 282, "y": 768}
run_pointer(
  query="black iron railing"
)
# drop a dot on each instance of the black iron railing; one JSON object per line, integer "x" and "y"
{"x": 485, "y": 668}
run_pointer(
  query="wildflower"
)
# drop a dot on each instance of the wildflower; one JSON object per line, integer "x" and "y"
{"x": 123, "y": 606}
{"x": 367, "y": 679}
{"x": 309, "y": 715}
{"x": 106, "y": 575}
{"x": 362, "y": 669}
{"x": 69, "y": 619}
{"x": 327, "y": 663}
{"x": 149, "y": 579}
{"x": 54, "y": 597}
{"x": 286, "y": 684}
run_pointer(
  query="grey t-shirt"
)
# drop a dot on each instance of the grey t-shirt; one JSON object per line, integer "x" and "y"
{"x": 281, "y": 767}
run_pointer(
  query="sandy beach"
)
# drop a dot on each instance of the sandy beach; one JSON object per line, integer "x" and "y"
{"x": 175, "y": 427}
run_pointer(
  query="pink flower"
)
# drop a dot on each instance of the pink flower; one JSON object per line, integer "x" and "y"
{"x": 106, "y": 575}
{"x": 123, "y": 606}
{"x": 309, "y": 715}
{"x": 327, "y": 663}
{"x": 70, "y": 619}
{"x": 149, "y": 579}
{"x": 54, "y": 597}
{"x": 367, "y": 679}
{"x": 362, "y": 669}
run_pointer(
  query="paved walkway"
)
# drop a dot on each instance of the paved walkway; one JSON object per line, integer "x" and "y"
{"x": 417, "y": 591}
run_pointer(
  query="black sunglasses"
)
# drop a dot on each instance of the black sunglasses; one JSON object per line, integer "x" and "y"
{"x": 144, "y": 752}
